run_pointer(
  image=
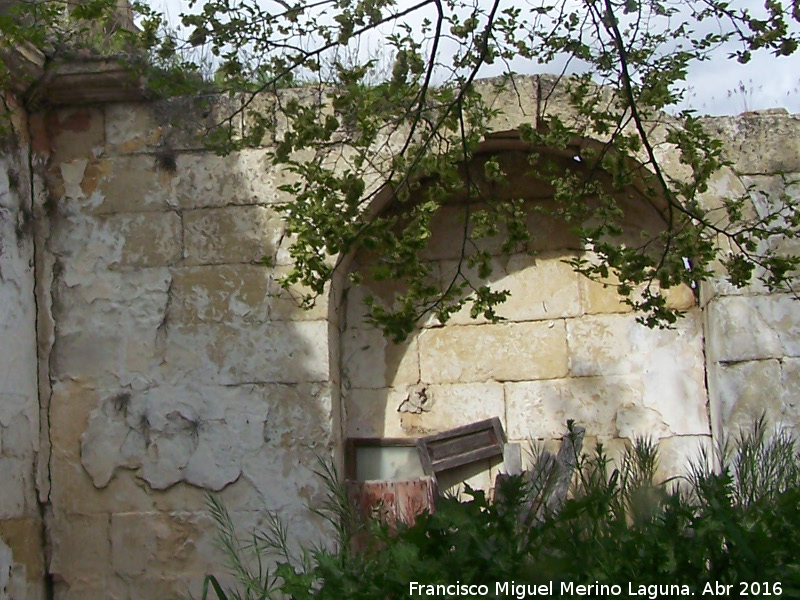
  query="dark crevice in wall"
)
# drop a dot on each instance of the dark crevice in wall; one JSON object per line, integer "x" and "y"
{"x": 42, "y": 458}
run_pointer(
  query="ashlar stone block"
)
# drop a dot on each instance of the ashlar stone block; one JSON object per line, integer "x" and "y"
{"x": 131, "y": 128}
{"x": 81, "y": 549}
{"x": 126, "y": 240}
{"x": 369, "y": 360}
{"x": 74, "y": 492}
{"x": 602, "y": 345}
{"x": 272, "y": 352}
{"x": 221, "y": 293}
{"x": 678, "y": 454}
{"x": 16, "y": 478}
{"x": 743, "y": 391}
{"x": 759, "y": 142}
{"x": 124, "y": 344}
{"x": 541, "y": 288}
{"x": 75, "y": 132}
{"x": 231, "y": 235}
{"x": 247, "y": 177}
{"x": 449, "y": 406}
{"x": 503, "y": 352}
{"x": 373, "y": 412}
{"x": 128, "y": 184}
{"x": 540, "y": 409}
{"x": 742, "y": 328}
{"x": 159, "y": 543}
{"x": 24, "y": 538}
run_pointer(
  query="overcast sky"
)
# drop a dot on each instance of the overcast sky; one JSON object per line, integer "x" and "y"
{"x": 721, "y": 86}
{"x": 769, "y": 82}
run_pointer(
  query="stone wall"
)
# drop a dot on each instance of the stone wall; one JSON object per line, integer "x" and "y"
{"x": 176, "y": 367}
{"x": 172, "y": 364}
{"x": 753, "y": 339}
{"x": 21, "y": 558}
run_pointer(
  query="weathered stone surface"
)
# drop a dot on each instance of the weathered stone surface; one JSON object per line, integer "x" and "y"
{"x": 24, "y": 538}
{"x": 749, "y": 141}
{"x": 248, "y": 177}
{"x": 74, "y": 492}
{"x": 128, "y": 184}
{"x": 224, "y": 293}
{"x": 603, "y": 345}
{"x": 75, "y": 133}
{"x": 19, "y": 406}
{"x": 6, "y": 566}
{"x": 18, "y": 426}
{"x": 753, "y": 327}
{"x": 231, "y": 235}
{"x": 387, "y": 412}
{"x": 514, "y": 110}
{"x": 449, "y": 406}
{"x": 505, "y": 352}
{"x": 681, "y": 297}
{"x": 677, "y": 455}
{"x": 18, "y": 495}
{"x": 201, "y": 437}
{"x": 71, "y": 400}
{"x": 127, "y": 240}
{"x": 743, "y": 391}
{"x": 158, "y": 543}
{"x": 369, "y": 412}
{"x": 81, "y": 549}
{"x": 789, "y": 414}
{"x": 99, "y": 590}
{"x": 170, "y": 439}
{"x": 297, "y": 470}
{"x": 541, "y": 287}
{"x": 539, "y": 409}
{"x": 174, "y": 124}
{"x": 111, "y": 185}
{"x": 150, "y": 239}
{"x": 131, "y": 127}
{"x": 126, "y": 312}
{"x": 601, "y": 297}
{"x": 286, "y": 303}
{"x": 283, "y": 351}
{"x": 618, "y": 345}
{"x": 724, "y": 184}
{"x": 377, "y": 362}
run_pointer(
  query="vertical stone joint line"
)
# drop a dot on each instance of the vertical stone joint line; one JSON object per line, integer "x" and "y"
{"x": 42, "y": 468}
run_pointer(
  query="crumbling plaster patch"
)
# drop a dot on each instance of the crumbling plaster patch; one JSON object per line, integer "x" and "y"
{"x": 204, "y": 436}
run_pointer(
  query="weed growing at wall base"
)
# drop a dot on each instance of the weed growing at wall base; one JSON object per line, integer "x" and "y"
{"x": 727, "y": 531}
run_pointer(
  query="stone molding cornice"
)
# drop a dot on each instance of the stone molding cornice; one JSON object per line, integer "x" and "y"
{"x": 41, "y": 81}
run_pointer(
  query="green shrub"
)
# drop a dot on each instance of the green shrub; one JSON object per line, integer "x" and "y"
{"x": 735, "y": 525}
